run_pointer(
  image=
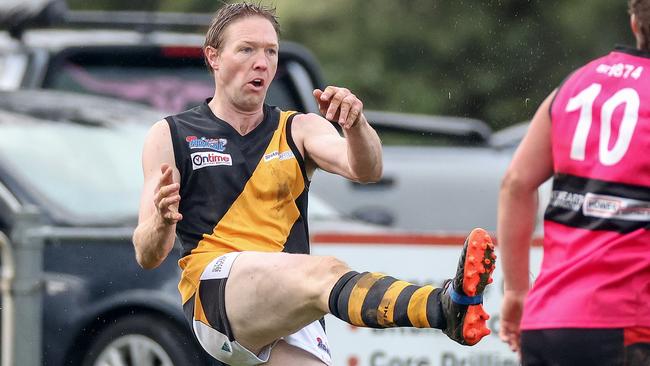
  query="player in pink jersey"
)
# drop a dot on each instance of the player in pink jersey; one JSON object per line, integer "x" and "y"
{"x": 590, "y": 305}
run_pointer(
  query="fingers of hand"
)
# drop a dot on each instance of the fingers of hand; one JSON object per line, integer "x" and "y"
{"x": 352, "y": 108}
{"x": 327, "y": 94}
{"x": 166, "y": 200}
{"x": 164, "y": 167}
{"x": 168, "y": 209}
{"x": 167, "y": 190}
{"x": 335, "y": 102}
{"x": 513, "y": 343}
{"x": 356, "y": 111}
{"x": 346, "y": 105}
{"x": 509, "y": 334}
{"x": 172, "y": 217}
{"x": 167, "y": 177}
{"x": 322, "y": 108}
{"x": 339, "y": 104}
{"x": 503, "y": 333}
{"x": 321, "y": 105}
{"x": 323, "y": 102}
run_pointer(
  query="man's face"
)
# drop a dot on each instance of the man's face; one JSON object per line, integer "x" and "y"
{"x": 247, "y": 62}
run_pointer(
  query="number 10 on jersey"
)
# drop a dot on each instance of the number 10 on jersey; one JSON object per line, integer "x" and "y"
{"x": 584, "y": 102}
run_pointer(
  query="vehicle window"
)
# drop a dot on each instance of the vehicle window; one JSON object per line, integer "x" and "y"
{"x": 172, "y": 79}
{"x": 89, "y": 171}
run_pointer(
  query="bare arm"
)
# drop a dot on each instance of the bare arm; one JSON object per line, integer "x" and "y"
{"x": 154, "y": 236}
{"x": 358, "y": 156}
{"x": 531, "y": 165}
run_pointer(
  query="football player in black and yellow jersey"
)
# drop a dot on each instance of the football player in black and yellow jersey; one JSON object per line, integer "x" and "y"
{"x": 229, "y": 178}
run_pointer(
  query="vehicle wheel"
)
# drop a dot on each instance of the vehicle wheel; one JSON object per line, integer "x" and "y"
{"x": 143, "y": 340}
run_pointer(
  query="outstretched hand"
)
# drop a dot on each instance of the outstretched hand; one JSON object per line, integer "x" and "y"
{"x": 339, "y": 105}
{"x": 167, "y": 196}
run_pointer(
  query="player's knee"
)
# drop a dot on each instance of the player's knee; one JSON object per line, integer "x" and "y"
{"x": 339, "y": 268}
{"x": 331, "y": 266}
{"x": 326, "y": 271}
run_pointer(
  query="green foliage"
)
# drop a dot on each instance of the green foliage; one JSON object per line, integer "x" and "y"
{"x": 494, "y": 60}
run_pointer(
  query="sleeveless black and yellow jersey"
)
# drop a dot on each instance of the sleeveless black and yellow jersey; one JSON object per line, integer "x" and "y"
{"x": 238, "y": 193}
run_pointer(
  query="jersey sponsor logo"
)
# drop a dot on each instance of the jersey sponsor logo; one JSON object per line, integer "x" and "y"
{"x": 218, "y": 264}
{"x": 205, "y": 159}
{"x": 226, "y": 347}
{"x": 219, "y": 268}
{"x": 620, "y": 70}
{"x": 594, "y": 204}
{"x": 567, "y": 200}
{"x": 598, "y": 205}
{"x": 602, "y": 206}
{"x": 322, "y": 345}
{"x": 206, "y": 143}
{"x": 285, "y": 155}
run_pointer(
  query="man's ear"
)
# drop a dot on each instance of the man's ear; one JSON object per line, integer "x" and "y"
{"x": 212, "y": 56}
{"x": 634, "y": 25}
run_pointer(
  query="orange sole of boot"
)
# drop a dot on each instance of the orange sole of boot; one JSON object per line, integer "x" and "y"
{"x": 479, "y": 265}
{"x": 474, "y": 326}
{"x": 479, "y": 262}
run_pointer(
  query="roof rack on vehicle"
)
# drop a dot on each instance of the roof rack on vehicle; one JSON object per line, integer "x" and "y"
{"x": 141, "y": 20}
{"x": 16, "y": 16}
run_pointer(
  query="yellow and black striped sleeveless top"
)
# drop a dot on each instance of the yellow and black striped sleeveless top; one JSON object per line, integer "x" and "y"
{"x": 238, "y": 193}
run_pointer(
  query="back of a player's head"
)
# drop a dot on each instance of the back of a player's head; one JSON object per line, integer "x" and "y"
{"x": 641, "y": 10}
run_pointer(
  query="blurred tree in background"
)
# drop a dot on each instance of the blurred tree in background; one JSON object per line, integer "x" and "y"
{"x": 493, "y": 60}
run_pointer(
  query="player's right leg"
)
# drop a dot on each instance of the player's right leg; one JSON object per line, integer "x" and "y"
{"x": 248, "y": 301}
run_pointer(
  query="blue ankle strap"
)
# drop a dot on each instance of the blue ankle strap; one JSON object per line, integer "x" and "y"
{"x": 464, "y": 299}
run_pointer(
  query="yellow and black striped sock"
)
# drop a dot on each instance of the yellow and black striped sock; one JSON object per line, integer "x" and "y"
{"x": 378, "y": 301}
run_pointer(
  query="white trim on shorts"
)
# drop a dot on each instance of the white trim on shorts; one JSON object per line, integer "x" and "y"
{"x": 311, "y": 338}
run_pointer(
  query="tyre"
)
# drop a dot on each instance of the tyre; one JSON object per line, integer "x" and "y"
{"x": 143, "y": 340}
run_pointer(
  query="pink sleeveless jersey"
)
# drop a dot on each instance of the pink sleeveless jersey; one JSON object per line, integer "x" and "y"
{"x": 596, "y": 267}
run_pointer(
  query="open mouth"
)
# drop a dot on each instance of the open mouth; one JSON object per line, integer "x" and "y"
{"x": 258, "y": 83}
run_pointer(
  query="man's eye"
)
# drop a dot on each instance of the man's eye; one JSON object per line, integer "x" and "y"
{"x": 272, "y": 52}
{"x": 247, "y": 49}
